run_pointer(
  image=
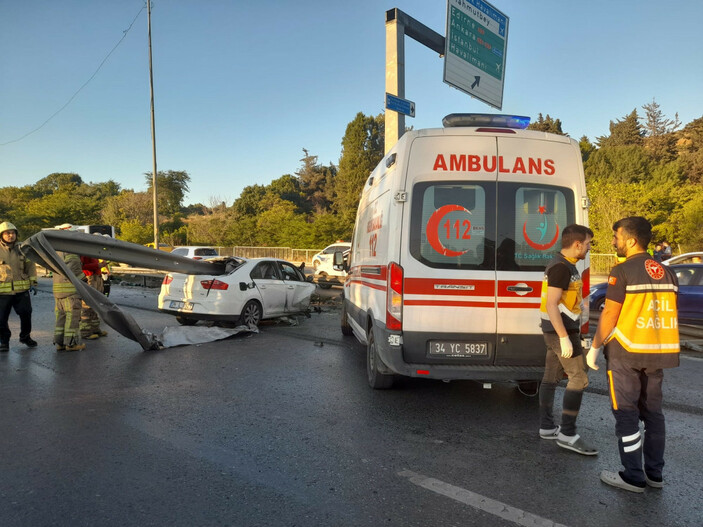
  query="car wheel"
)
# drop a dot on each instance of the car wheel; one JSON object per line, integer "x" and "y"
{"x": 251, "y": 313}
{"x": 377, "y": 380}
{"x": 599, "y": 305}
{"x": 346, "y": 328}
{"x": 186, "y": 321}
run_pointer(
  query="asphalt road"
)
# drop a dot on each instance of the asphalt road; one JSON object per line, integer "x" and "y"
{"x": 280, "y": 428}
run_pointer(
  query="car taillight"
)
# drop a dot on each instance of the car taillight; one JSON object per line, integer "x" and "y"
{"x": 197, "y": 258}
{"x": 214, "y": 284}
{"x": 394, "y": 297}
{"x": 167, "y": 279}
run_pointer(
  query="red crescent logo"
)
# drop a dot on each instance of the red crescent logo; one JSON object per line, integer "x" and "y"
{"x": 432, "y": 229}
{"x": 654, "y": 269}
{"x": 539, "y": 246}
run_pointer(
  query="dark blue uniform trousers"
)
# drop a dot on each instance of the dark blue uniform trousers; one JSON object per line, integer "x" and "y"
{"x": 636, "y": 395}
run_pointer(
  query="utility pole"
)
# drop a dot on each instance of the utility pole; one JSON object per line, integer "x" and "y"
{"x": 153, "y": 132}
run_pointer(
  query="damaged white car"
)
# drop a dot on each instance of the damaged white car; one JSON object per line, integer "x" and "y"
{"x": 251, "y": 290}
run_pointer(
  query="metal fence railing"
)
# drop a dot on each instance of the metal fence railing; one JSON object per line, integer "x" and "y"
{"x": 602, "y": 263}
{"x": 285, "y": 253}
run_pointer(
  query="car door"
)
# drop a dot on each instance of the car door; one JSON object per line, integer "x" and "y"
{"x": 298, "y": 291}
{"x": 690, "y": 298}
{"x": 267, "y": 279}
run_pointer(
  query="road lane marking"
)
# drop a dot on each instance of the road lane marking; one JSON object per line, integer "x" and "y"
{"x": 482, "y": 503}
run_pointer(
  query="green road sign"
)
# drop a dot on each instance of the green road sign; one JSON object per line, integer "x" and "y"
{"x": 476, "y": 43}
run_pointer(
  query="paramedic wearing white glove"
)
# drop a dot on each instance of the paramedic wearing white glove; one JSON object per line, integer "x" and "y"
{"x": 560, "y": 313}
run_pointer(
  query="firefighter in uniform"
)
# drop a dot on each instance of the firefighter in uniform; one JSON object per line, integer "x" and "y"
{"x": 17, "y": 276}
{"x": 67, "y": 336}
{"x": 560, "y": 312}
{"x": 639, "y": 327}
{"x": 90, "y": 322}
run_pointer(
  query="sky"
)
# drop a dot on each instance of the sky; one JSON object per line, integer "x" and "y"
{"x": 241, "y": 88}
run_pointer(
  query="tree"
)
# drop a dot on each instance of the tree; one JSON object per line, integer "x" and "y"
{"x": 362, "y": 149}
{"x": 316, "y": 183}
{"x": 625, "y": 132}
{"x": 287, "y": 187}
{"x": 249, "y": 201}
{"x": 586, "y": 147}
{"x": 56, "y": 181}
{"x": 660, "y": 140}
{"x": 171, "y": 188}
{"x": 547, "y": 124}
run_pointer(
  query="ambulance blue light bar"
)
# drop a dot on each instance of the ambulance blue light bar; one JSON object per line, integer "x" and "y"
{"x": 518, "y": 122}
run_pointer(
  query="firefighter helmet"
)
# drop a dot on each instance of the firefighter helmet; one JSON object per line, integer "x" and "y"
{"x": 7, "y": 226}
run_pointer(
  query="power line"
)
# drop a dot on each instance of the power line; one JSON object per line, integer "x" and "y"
{"x": 124, "y": 35}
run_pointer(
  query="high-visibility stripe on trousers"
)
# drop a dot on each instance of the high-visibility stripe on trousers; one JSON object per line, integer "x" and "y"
{"x": 635, "y": 395}
{"x": 68, "y": 318}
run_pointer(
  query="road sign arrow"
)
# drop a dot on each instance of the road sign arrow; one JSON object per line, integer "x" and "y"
{"x": 476, "y": 82}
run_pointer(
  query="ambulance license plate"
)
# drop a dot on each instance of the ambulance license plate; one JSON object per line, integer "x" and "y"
{"x": 457, "y": 348}
{"x": 185, "y": 306}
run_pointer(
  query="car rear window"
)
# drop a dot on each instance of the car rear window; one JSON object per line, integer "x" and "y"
{"x": 205, "y": 252}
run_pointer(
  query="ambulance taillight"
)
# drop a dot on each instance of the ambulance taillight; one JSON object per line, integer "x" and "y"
{"x": 394, "y": 300}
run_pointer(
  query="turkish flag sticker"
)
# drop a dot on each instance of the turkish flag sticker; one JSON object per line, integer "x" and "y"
{"x": 612, "y": 280}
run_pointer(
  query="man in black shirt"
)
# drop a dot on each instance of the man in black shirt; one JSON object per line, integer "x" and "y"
{"x": 560, "y": 311}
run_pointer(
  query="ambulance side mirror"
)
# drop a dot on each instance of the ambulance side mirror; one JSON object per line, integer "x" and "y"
{"x": 341, "y": 261}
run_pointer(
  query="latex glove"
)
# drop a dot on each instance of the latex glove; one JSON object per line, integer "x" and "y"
{"x": 32, "y": 290}
{"x": 567, "y": 348}
{"x": 592, "y": 357}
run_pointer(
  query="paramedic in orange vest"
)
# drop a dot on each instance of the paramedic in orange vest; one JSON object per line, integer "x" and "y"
{"x": 560, "y": 313}
{"x": 639, "y": 327}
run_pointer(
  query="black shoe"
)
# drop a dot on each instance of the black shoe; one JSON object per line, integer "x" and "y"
{"x": 29, "y": 342}
{"x": 4, "y": 347}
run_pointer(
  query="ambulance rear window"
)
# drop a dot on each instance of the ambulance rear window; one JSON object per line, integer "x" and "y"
{"x": 531, "y": 218}
{"x": 450, "y": 230}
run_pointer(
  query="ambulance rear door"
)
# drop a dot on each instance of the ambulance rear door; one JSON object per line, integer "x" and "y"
{"x": 449, "y": 304}
{"x": 539, "y": 181}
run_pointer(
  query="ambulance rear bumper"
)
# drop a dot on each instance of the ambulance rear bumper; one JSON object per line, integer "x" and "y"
{"x": 397, "y": 359}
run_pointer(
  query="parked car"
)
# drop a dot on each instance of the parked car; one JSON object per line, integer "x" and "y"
{"x": 690, "y": 300}
{"x": 325, "y": 274}
{"x": 251, "y": 291}
{"x": 694, "y": 257}
{"x": 196, "y": 252}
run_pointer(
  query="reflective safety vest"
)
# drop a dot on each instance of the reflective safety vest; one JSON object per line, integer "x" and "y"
{"x": 570, "y": 301}
{"x": 17, "y": 273}
{"x": 647, "y": 330}
{"x": 62, "y": 286}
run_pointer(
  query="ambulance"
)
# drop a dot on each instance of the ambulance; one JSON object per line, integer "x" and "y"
{"x": 454, "y": 229}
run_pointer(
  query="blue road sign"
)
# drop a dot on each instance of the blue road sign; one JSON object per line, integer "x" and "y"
{"x": 400, "y": 105}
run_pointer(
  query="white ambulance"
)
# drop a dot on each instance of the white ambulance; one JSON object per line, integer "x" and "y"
{"x": 454, "y": 229}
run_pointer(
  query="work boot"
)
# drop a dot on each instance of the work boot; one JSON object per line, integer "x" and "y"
{"x": 29, "y": 342}
{"x": 102, "y": 333}
{"x": 60, "y": 347}
{"x": 4, "y": 347}
{"x": 92, "y": 336}
{"x": 75, "y": 347}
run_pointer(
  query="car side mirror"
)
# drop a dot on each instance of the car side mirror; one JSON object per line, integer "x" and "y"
{"x": 340, "y": 261}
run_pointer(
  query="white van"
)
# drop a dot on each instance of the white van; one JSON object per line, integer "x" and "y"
{"x": 454, "y": 229}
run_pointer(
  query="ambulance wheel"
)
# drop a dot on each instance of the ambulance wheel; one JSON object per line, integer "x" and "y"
{"x": 346, "y": 328}
{"x": 377, "y": 380}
